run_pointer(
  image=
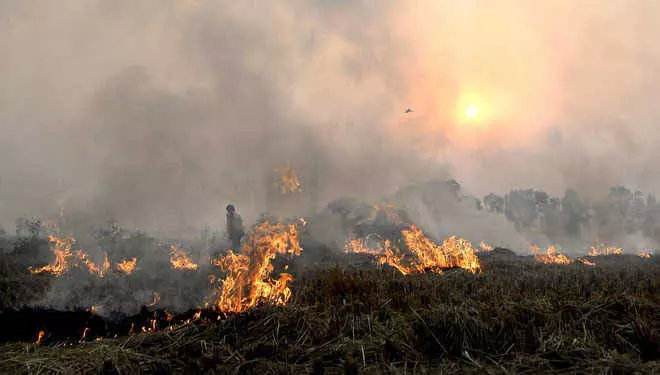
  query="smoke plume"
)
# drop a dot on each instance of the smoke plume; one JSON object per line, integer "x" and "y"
{"x": 158, "y": 113}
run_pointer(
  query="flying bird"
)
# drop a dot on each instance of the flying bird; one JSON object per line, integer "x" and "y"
{"x": 408, "y": 110}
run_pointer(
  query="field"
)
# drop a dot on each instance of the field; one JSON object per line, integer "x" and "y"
{"x": 516, "y": 316}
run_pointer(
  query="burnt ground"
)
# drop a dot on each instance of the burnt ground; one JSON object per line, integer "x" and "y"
{"x": 515, "y": 317}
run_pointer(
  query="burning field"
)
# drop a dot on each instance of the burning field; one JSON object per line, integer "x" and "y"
{"x": 394, "y": 299}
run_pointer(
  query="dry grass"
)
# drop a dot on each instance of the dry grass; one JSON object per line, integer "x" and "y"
{"x": 516, "y": 317}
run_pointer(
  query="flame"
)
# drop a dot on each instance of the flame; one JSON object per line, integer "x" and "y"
{"x": 427, "y": 255}
{"x": 180, "y": 260}
{"x": 646, "y": 254}
{"x": 485, "y": 247}
{"x": 248, "y": 282}
{"x": 61, "y": 246}
{"x": 65, "y": 258}
{"x": 454, "y": 252}
{"x": 197, "y": 315}
{"x": 586, "y": 262}
{"x": 93, "y": 267}
{"x": 84, "y": 334}
{"x": 40, "y": 336}
{"x": 288, "y": 182}
{"x": 551, "y": 256}
{"x": 602, "y": 250}
{"x": 155, "y": 301}
{"x": 127, "y": 266}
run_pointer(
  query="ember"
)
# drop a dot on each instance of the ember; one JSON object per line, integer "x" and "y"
{"x": 40, "y": 336}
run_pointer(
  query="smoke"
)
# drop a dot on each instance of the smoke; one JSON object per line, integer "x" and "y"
{"x": 158, "y": 113}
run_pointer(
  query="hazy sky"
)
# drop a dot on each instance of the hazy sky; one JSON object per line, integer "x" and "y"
{"x": 159, "y": 112}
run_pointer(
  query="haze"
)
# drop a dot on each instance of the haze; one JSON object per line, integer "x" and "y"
{"x": 157, "y": 113}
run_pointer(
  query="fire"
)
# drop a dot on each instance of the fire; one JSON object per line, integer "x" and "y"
{"x": 66, "y": 258}
{"x": 40, "y": 336}
{"x": 586, "y": 262}
{"x": 248, "y": 282}
{"x": 84, "y": 334}
{"x": 180, "y": 260}
{"x": 155, "y": 301}
{"x": 601, "y": 250}
{"x": 551, "y": 256}
{"x": 485, "y": 247}
{"x": 93, "y": 267}
{"x": 61, "y": 246}
{"x": 454, "y": 252}
{"x": 426, "y": 255}
{"x": 127, "y": 266}
{"x": 646, "y": 254}
{"x": 289, "y": 182}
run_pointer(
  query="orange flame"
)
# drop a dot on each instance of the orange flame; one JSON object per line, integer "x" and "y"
{"x": 586, "y": 262}
{"x": 61, "y": 246}
{"x": 155, "y": 301}
{"x": 427, "y": 255}
{"x": 248, "y": 282}
{"x": 40, "y": 336}
{"x": 454, "y": 252}
{"x": 127, "y": 266}
{"x": 65, "y": 258}
{"x": 93, "y": 267}
{"x": 180, "y": 260}
{"x": 485, "y": 247}
{"x": 551, "y": 256}
{"x": 84, "y": 334}
{"x": 602, "y": 250}
{"x": 288, "y": 182}
{"x": 646, "y": 254}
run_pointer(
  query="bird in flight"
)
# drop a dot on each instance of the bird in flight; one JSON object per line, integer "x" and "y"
{"x": 408, "y": 110}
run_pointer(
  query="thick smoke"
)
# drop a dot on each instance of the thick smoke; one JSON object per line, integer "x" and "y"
{"x": 158, "y": 113}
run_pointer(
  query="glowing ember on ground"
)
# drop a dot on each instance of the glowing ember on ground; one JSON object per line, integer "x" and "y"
{"x": 40, "y": 336}
{"x": 180, "y": 260}
{"x": 84, "y": 334}
{"x": 289, "y": 182}
{"x": 127, "y": 266}
{"x": 249, "y": 282}
{"x": 155, "y": 301}
{"x": 551, "y": 256}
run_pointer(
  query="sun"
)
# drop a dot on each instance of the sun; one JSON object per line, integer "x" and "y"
{"x": 471, "y": 111}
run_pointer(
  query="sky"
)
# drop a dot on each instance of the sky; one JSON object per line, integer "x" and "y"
{"x": 158, "y": 113}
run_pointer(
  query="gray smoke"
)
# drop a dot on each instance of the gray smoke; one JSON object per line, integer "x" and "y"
{"x": 158, "y": 113}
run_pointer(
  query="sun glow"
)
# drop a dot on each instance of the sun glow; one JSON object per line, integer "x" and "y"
{"x": 471, "y": 111}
